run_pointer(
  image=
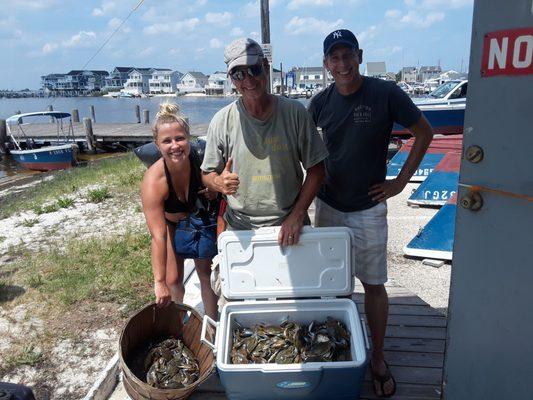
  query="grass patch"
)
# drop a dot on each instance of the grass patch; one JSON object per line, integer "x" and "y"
{"x": 115, "y": 270}
{"x": 28, "y": 223}
{"x": 65, "y": 202}
{"x": 2, "y": 238}
{"x": 26, "y": 355}
{"x": 98, "y": 195}
{"x": 122, "y": 174}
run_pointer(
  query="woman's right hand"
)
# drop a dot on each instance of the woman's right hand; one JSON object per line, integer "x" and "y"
{"x": 162, "y": 294}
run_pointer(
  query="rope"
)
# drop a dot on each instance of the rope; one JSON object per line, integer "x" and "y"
{"x": 478, "y": 188}
{"x": 113, "y": 33}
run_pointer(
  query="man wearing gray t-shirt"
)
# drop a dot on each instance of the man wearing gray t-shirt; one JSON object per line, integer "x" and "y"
{"x": 356, "y": 115}
{"x": 258, "y": 148}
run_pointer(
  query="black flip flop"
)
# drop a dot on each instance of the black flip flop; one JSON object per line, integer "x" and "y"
{"x": 381, "y": 379}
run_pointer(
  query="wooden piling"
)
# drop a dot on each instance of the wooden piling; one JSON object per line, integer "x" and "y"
{"x": 50, "y": 108}
{"x": 3, "y": 136}
{"x": 138, "y": 113}
{"x": 146, "y": 116}
{"x": 93, "y": 115}
{"x": 89, "y": 135}
{"x": 75, "y": 115}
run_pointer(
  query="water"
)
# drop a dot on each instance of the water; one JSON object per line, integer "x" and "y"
{"x": 200, "y": 110}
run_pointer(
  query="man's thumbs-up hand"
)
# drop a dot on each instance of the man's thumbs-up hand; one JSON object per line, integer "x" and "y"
{"x": 227, "y": 181}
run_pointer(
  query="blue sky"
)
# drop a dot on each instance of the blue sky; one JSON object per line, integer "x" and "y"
{"x": 38, "y": 37}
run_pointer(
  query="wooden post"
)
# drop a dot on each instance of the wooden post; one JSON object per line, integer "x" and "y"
{"x": 89, "y": 135}
{"x": 75, "y": 115}
{"x": 51, "y": 108}
{"x": 3, "y": 136}
{"x": 146, "y": 116}
{"x": 282, "y": 91}
{"x": 265, "y": 36}
{"x": 93, "y": 115}
{"x": 138, "y": 113}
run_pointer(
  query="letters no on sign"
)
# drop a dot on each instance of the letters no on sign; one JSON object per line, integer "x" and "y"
{"x": 508, "y": 52}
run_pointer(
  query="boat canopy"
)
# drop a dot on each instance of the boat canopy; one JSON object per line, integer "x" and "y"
{"x": 55, "y": 114}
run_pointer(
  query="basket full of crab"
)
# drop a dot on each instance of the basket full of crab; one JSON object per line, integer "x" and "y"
{"x": 290, "y": 335}
{"x": 161, "y": 355}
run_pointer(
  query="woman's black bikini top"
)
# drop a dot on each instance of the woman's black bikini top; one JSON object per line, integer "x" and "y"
{"x": 172, "y": 203}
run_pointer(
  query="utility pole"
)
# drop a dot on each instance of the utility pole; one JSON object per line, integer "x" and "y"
{"x": 281, "y": 77}
{"x": 265, "y": 36}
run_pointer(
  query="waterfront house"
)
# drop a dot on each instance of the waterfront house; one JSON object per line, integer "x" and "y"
{"x": 307, "y": 78}
{"x": 429, "y": 72}
{"x": 49, "y": 82}
{"x": 138, "y": 81}
{"x": 409, "y": 74}
{"x": 376, "y": 69}
{"x": 218, "y": 84}
{"x": 117, "y": 78}
{"x": 163, "y": 81}
{"x": 75, "y": 82}
{"x": 192, "y": 82}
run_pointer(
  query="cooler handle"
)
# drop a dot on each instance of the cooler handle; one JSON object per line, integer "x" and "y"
{"x": 365, "y": 334}
{"x": 203, "y": 337}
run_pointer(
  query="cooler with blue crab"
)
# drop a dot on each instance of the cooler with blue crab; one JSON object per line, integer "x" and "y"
{"x": 269, "y": 284}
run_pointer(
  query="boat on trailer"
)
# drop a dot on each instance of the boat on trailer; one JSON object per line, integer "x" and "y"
{"x": 42, "y": 157}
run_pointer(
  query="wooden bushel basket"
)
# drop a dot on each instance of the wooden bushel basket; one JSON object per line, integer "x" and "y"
{"x": 177, "y": 320}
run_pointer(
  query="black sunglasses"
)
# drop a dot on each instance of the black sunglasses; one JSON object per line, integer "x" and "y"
{"x": 252, "y": 71}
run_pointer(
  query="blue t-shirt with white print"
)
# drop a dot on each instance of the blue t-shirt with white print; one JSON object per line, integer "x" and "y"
{"x": 356, "y": 130}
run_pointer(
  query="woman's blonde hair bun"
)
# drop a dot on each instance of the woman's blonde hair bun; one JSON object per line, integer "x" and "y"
{"x": 169, "y": 113}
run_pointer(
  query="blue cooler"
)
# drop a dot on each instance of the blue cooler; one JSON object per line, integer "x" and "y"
{"x": 266, "y": 283}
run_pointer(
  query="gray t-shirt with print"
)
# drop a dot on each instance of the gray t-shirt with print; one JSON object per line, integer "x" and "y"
{"x": 267, "y": 155}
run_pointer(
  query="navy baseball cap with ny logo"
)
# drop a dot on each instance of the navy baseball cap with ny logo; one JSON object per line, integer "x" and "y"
{"x": 340, "y": 36}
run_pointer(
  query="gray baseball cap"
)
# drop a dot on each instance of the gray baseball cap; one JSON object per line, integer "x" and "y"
{"x": 242, "y": 52}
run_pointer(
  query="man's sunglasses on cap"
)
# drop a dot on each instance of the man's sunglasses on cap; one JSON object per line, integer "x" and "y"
{"x": 252, "y": 71}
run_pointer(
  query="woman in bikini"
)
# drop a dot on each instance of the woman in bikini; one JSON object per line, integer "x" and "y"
{"x": 169, "y": 191}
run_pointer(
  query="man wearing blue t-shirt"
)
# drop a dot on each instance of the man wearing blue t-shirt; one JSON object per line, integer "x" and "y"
{"x": 356, "y": 115}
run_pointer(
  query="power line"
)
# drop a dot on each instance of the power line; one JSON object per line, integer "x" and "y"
{"x": 113, "y": 33}
{"x": 108, "y": 38}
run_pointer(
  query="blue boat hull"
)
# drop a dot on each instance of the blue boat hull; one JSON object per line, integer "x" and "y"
{"x": 428, "y": 163}
{"x": 46, "y": 158}
{"x": 443, "y": 120}
{"x": 436, "y": 190}
{"x": 436, "y": 239}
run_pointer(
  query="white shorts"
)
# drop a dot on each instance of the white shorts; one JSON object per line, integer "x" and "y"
{"x": 370, "y": 231}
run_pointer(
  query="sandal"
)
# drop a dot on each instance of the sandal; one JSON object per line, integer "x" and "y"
{"x": 381, "y": 380}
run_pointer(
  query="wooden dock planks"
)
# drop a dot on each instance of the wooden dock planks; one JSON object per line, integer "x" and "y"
{"x": 103, "y": 132}
{"x": 414, "y": 348}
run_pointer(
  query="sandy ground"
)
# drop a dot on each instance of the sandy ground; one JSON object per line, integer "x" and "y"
{"x": 78, "y": 362}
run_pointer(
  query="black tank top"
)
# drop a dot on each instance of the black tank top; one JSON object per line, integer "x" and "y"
{"x": 172, "y": 203}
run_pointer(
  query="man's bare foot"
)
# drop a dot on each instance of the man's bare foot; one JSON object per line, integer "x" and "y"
{"x": 382, "y": 379}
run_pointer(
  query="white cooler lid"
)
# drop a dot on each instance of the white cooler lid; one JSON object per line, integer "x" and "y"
{"x": 254, "y": 266}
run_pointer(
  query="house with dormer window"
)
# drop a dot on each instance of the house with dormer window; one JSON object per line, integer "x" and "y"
{"x": 138, "y": 81}
{"x": 164, "y": 81}
{"x": 192, "y": 82}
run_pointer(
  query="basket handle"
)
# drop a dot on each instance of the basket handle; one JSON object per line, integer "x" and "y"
{"x": 203, "y": 337}
{"x": 363, "y": 325}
